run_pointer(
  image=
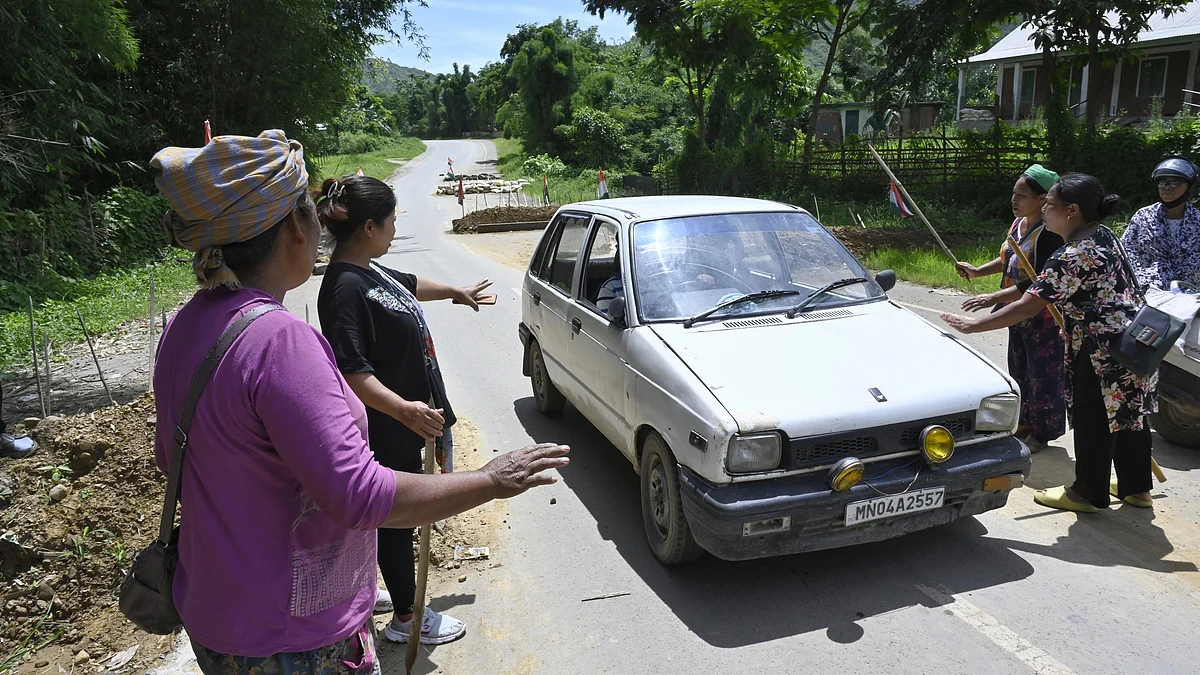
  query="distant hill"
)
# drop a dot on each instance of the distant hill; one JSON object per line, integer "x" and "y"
{"x": 380, "y": 75}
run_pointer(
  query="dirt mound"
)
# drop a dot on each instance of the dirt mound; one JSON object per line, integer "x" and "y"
{"x": 503, "y": 214}
{"x": 78, "y": 511}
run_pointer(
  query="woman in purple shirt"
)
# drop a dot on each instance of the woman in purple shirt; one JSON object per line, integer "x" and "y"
{"x": 280, "y": 493}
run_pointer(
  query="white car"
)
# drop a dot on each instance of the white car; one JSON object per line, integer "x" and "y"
{"x": 770, "y": 395}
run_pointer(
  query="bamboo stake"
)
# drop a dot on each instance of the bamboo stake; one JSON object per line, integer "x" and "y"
{"x": 94, "y": 359}
{"x": 37, "y": 376}
{"x": 150, "y": 369}
{"x": 46, "y": 363}
{"x": 817, "y": 207}
{"x": 418, "y": 617}
{"x": 916, "y": 208}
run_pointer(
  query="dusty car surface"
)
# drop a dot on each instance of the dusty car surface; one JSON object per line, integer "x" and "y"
{"x": 769, "y": 394}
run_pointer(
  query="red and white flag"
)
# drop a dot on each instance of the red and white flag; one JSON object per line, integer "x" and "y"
{"x": 359, "y": 172}
{"x": 461, "y": 195}
{"x": 602, "y": 190}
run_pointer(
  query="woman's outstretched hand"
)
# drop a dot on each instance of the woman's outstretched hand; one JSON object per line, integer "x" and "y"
{"x": 959, "y": 323}
{"x": 979, "y": 302}
{"x": 467, "y": 294}
{"x": 517, "y": 471}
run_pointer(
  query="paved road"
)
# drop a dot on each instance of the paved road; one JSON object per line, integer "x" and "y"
{"x": 1020, "y": 590}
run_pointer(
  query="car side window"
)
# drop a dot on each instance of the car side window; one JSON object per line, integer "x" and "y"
{"x": 601, "y": 268}
{"x": 548, "y": 242}
{"x": 559, "y": 269}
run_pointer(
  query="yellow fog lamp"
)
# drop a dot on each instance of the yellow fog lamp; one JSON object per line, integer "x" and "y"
{"x": 937, "y": 444}
{"x": 846, "y": 474}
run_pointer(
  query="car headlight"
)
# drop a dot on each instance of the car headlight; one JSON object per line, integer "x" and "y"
{"x": 756, "y": 452}
{"x": 998, "y": 413}
{"x": 937, "y": 444}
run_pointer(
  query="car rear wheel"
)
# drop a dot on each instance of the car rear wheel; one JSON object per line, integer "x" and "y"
{"x": 549, "y": 399}
{"x": 667, "y": 529}
{"x": 1176, "y": 425}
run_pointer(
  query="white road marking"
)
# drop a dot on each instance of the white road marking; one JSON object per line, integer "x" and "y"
{"x": 439, "y": 206}
{"x": 990, "y": 627}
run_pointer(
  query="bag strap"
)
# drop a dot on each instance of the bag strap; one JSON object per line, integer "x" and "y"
{"x": 1137, "y": 287}
{"x": 180, "y": 435}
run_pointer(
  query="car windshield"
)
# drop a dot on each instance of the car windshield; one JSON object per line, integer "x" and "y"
{"x": 685, "y": 266}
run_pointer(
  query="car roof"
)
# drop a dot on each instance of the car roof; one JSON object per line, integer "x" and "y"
{"x": 677, "y": 206}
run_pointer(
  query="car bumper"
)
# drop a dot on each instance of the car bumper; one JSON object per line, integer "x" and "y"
{"x": 717, "y": 513}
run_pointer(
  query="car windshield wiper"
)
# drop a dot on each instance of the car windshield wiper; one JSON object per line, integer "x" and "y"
{"x": 791, "y": 313}
{"x": 760, "y": 295}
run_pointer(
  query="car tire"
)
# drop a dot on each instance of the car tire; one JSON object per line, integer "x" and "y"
{"x": 667, "y": 529}
{"x": 549, "y": 399}
{"x": 1176, "y": 426}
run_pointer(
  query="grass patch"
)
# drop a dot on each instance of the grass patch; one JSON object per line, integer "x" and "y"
{"x": 931, "y": 267}
{"x": 106, "y": 302}
{"x": 374, "y": 164}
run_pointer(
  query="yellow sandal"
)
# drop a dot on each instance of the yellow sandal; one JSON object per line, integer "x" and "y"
{"x": 1130, "y": 499}
{"x": 1056, "y": 498}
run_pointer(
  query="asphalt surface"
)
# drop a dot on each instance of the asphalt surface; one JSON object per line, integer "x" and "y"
{"x": 1019, "y": 590}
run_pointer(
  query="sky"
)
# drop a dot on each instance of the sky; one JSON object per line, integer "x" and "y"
{"x": 472, "y": 31}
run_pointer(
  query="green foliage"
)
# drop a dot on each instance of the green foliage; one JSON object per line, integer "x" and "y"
{"x": 106, "y": 301}
{"x": 595, "y": 138}
{"x": 931, "y": 267}
{"x": 373, "y": 161}
{"x": 544, "y": 70}
{"x": 541, "y": 165}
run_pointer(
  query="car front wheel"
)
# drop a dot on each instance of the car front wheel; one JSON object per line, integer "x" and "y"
{"x": 667, "y": 529}
{"x": 549, "y": 399}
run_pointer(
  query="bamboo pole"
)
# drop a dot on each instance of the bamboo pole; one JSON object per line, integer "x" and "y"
{"x": 908, "y": 197}
{"x": 46, "y": 363}
{"x": 94, "y": 359}
{"x": 1027, "y": 267}
{"x": 150, "y": 369}
{"x": 37, "y": 376}
{"x": 418, "y": 617}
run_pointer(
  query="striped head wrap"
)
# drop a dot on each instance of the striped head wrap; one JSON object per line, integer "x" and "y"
{"x": 229, "y": 191}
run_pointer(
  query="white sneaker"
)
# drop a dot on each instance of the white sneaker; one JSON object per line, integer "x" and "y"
{"x": 383, "y": 602}
{"x": 436, "y": 629}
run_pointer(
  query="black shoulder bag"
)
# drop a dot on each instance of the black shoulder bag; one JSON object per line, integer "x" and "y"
{"x": 145, "y": 597}
{"x": 1144, "y": 343}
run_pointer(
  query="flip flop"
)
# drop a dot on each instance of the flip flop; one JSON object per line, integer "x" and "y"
{"x": 1056, "y": 498}
{"x": 1130, "y": 499}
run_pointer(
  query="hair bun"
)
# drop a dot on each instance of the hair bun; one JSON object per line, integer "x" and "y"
{"x": 1109, "y": 205}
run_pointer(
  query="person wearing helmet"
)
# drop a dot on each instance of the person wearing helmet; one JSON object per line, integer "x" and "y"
{"x": 1162, "y": 241}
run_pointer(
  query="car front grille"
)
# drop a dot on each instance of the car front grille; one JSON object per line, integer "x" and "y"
{"x": 866, "y": 443}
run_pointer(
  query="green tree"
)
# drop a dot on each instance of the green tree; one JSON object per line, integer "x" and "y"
{"x": 544, "y": 70}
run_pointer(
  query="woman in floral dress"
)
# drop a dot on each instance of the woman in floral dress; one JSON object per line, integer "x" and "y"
{"x": 1108, "y": 405}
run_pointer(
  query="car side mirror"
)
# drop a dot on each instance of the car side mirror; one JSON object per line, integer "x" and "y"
{"x": 886, "y": 280}
{"x": 616, "y": 312}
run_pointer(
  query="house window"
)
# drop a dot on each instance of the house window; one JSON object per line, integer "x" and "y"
{"x": 1075, "y": 91}
{"x": 851, "y": 123}
{"x": 1028, "y": 84}
{"x": 1152, "y": 77}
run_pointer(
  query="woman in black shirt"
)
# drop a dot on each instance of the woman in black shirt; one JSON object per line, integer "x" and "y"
{"x": 371, "y": 316}
{"x": 1036, "y": 352}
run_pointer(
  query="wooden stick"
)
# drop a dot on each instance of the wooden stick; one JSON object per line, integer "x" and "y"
{"x": 46, "y": 362}
{"x": 1027, "y": 267}
{"x": 150, "y": 369}
{"x": 37, "y": 376}
{"x": 916, "y": 208}
{"x": 94, "y": 359}
{"x": 1158, "y": 472}
{"x": 418, "y": 617}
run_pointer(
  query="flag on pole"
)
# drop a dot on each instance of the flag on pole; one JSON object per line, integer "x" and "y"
{"x": 461, "y": 195}
{"x": 359, "y": 172}
{"x": 897, "y": 202}
{"x": 602, "y": 190}
{"x": 207, "y": 133}
{"x": 450, "y": 163}
{"x": 545, "y": 189}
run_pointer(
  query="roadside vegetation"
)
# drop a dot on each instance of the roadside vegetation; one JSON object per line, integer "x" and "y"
{"x": 373, "y": 162}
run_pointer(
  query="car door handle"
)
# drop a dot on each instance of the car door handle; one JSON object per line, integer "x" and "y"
{"x": 537, "y": 298}
{"x": 576, "y": 325}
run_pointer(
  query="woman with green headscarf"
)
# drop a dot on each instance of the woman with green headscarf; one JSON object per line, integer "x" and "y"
{"x": 1035, "y": 346}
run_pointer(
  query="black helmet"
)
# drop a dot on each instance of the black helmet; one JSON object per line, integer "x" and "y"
{"x": 1175, "y": 167}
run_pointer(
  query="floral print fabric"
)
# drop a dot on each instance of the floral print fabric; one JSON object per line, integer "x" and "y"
{"x": 1162, "y": 252}
{"x": 1088, "y": 282}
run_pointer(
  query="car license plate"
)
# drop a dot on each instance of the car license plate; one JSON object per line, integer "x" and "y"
{"x": 894, "y": 505}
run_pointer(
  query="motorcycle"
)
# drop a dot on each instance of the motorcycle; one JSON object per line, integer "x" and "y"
{"x": 1178, "y": 417}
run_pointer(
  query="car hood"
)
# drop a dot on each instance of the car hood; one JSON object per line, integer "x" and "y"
{"x": 814, "y": 374}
